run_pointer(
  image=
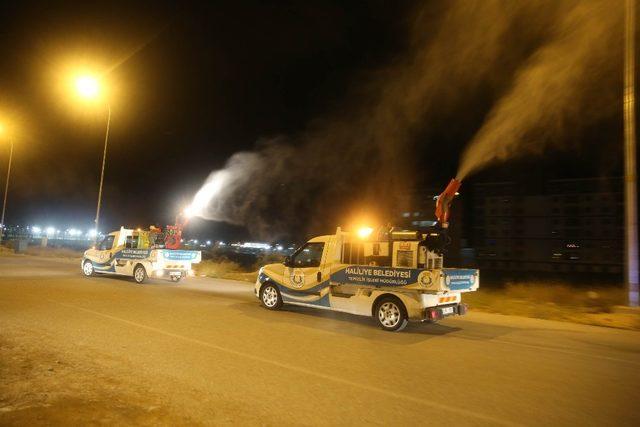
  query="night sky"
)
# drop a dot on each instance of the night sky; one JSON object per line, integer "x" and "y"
{"x": 192, "y": 83}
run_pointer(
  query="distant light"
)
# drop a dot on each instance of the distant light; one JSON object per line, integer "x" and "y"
{"x": 279, "y": 247}
{"x": 365, "y": 232}
{"x": 87, "y": 86}
{"x": 222, "y": 244}
{"x": 51, "y": 231}
{"x": 195, "y": 241}
{"x": 208, "y": 242}
{"x": 92, "y": 232}
{"x": 181, "y": 240}
{"x": 36, "y": 229}
{"x": 256, "y": 245}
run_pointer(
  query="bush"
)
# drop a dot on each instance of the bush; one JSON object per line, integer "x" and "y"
{"x": 221, "y": 268}
{"x": 54, "y": 252}
{"x": 267, "y": 259}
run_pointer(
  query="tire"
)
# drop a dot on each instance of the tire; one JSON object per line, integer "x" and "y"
{"x": 391, "y": 314}
{"x": 176, "y": 279}
{"x": 87, "y": 269}
{"x": 270, "y": 297}
{"x": 139, "y": 274}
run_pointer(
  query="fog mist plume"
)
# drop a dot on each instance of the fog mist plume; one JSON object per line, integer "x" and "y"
{"x": 363, "y": 156}
{"x": 565, "y": 85}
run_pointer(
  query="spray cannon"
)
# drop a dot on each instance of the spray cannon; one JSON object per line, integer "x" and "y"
{"x": 443, "y": 202}
{"x": 173, "y": 235}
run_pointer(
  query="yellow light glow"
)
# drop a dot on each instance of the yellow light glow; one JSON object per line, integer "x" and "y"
{"x": 87, "y": 87}
{"x": 364, "y": 232}
{"x": 1, "y": 128}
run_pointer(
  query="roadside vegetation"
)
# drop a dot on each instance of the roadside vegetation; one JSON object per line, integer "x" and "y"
{"x": 51, "y": 252}
{"x": 221, "y": 267}
{"x": 594, "y": 305}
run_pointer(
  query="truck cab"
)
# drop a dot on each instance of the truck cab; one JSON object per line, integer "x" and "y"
{"x": 139, "y": 254}
{"x": 394, "y": 276}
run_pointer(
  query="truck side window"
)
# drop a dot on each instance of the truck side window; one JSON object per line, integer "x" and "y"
{"x": 132, "y": 242}
{"x": 310, "y": 255}
{"x": 106, "y": 244}
{"x": 353, "y": 253}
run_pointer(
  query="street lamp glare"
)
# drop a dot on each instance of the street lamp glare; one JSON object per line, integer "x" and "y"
{"x": 87, "y": 86}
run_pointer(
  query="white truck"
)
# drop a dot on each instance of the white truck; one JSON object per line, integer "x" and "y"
{"x": 394, "y": 276}
{"x": 135, "y": 253}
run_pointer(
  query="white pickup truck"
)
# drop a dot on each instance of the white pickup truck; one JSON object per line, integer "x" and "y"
{"x": 134, "y": 253}
{"x": 394, "y": 276}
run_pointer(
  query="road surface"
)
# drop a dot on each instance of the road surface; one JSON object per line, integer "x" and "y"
{"x": 76, "y": 350}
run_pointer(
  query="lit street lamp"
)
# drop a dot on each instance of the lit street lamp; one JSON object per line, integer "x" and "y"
{"x": 89, "y": 88}
{"x": 6, "y": 185}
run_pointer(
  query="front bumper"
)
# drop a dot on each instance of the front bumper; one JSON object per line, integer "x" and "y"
{"x": 440, "y": 312}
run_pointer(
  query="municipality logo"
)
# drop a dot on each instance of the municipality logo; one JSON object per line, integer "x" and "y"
{"x": 297, "y": 278}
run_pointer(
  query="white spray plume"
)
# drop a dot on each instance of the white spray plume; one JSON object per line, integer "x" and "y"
{"x": 564, "y": 86}
{"x": 221, "y": 186}
{"x": 538, "y": 60}
{"x": 211, "y": 188}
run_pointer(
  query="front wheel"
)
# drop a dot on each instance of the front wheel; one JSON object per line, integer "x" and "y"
{"x": 391, "y": 314}
{"x": 87, "y": 268}
{"x": 139, "y": 274}
{"x": 270, "y": 297}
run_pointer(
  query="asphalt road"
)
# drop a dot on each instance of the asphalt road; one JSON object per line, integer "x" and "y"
{"x": 104, "y": 350}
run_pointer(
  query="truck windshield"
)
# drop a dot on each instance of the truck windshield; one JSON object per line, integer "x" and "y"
{"x": 309, "y": 255}
{"x": 106, "y": 244}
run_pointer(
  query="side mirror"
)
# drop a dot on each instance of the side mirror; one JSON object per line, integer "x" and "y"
{"x": 287, "y": 261}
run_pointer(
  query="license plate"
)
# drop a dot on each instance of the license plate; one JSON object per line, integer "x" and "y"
{"x": 447, "y": 310}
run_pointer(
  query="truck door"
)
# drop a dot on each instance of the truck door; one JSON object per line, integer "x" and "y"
{"x": 304, "y": 269}
{"x": 103, "y": 251}
{"x": 124, "y": 263}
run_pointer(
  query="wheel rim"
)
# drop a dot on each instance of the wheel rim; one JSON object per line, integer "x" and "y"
{"x": 389, "y": 314}
{"x": 270, "y": 296}
{"x": 87, "y": 268}
{"x": 139, "y": 274}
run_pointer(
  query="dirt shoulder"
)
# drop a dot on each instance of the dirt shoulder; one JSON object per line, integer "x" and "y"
{"x": 49, "y": 386}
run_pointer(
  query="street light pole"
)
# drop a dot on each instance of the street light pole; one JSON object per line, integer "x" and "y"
{"x": 6, "y": 190}
{"x": 104, "y": 159}
{"x": 630, "y": 177}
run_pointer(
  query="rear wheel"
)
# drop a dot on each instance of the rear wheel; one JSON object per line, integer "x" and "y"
{"x": 176, "y": 279}
{"x": 391, "y": 314}
{"x": 270, "y": 297}
{"x": 139, "y": 274}
{"x": 87, "y": 268}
